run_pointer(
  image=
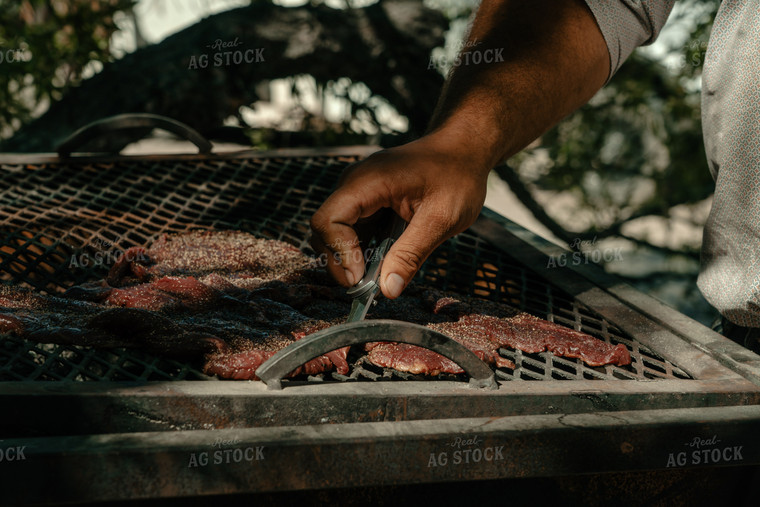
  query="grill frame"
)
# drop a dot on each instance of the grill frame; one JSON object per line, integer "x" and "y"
{"x": 134, "y": 427}
{"x": 81, "y": 199}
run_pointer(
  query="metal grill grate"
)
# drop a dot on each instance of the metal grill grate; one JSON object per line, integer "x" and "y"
{"x": 64, "y": 223}
{"x": 23, "y": 360}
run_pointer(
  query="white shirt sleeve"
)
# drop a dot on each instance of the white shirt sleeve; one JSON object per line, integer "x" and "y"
{"x": 628, "y": 24}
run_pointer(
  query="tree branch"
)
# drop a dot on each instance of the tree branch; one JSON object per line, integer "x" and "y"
{"x": 386, "y": 45}
{"x": 510, "y": 177}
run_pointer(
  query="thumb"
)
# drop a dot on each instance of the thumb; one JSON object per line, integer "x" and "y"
{"x": 407, "y": 254}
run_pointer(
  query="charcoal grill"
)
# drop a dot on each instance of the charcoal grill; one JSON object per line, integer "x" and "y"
{"x": 89, "y": 418}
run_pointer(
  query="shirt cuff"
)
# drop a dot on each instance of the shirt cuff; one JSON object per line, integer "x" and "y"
{"x": 628, "y": 24}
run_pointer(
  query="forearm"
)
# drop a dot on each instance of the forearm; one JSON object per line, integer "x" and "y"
{"x": 554, "y": 60}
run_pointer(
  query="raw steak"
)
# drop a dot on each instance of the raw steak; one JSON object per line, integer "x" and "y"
{"x": 234, "y": 300}
{"x": 484, "y": 327}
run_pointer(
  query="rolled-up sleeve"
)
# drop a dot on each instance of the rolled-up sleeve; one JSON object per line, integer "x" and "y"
{"x": 628, "y": 24}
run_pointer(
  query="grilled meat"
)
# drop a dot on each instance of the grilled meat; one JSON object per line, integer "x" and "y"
{"x": 484, "y": 327}
{"x": 235, "y": 300}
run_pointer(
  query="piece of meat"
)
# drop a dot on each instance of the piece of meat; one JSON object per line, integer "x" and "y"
{"x": 410, "y": 358}
{"x": 231, "y": 301}
{"x": 242, "y": 365}
{"x": 532, "y": 335}
{"x": 413, "y": 359}
{"x": 95, "y": 292}
{"x": 171, "y": 316}
{"x": 145, "y": 296}
{"x": 241, "y": 255}
{"x": 485, "y": 334}
{"x": 483, "y": 327}
{"x": 48, "y": 319}
{"x": 10, "y": 324}
{"x": 167, "y": 293}
{"x": 132, "y": 267}
{"x": 237, "y": 365}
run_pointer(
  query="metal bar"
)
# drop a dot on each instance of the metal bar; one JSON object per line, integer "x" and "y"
{"x": 379, "y": 330}
{"x": 183, "y": 463}
{"x": 595, "y": 292}
{"x": 52, "y": 158}
{"x": 131, "y": 121}
{"x": 115, "y": 407}
{"x": 730, "y": 354}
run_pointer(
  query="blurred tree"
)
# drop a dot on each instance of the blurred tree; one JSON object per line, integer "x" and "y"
{"x": 634, "y": 151}
{"x": 385, "y": 46}
{"x": 48, "y": 46}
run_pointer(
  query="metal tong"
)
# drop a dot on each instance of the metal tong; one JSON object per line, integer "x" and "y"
{"x": 365, "y": 290}
{"x": 356, "y": 330}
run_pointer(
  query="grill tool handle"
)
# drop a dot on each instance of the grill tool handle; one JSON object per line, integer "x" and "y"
{"x": 131, "y": 121}
{"x": 343, "y": 335}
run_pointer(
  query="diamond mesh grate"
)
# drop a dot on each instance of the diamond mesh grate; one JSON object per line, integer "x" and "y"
{"x": 65, "y": 223}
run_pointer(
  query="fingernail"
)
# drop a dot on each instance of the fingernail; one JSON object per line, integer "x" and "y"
{"x": 349, "y": 277}
{"x": 395, "y": 284}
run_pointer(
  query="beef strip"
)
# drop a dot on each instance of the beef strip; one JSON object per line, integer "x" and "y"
{"x": 49, "y": 319}
{"x": 243, "y": 363}
{"x": 210, "y": 295}
{"x": 235, "y": 300}
{"x": 484, "y": 327}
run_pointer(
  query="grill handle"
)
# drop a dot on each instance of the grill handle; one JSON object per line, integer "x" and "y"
{"x": 131, "y": 121}
{"x": 272, "y": 371}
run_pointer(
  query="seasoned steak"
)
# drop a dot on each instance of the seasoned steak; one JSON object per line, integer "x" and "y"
{"x": 233, "y": 300}
{"x": 484, "y": 327}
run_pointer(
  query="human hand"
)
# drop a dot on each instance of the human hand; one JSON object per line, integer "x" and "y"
{"x": 438, "y": 190}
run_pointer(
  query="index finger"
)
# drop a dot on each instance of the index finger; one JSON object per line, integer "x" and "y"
{"x": 334, "y": 233}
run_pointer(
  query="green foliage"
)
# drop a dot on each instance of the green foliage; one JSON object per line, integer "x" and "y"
{"x": 636, "y": 149}
{"x": 53, "y": 44}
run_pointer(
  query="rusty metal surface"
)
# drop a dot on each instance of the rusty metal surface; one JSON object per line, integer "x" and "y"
{"x": 99, "y": 408}
{"x": 183, "y": 463}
